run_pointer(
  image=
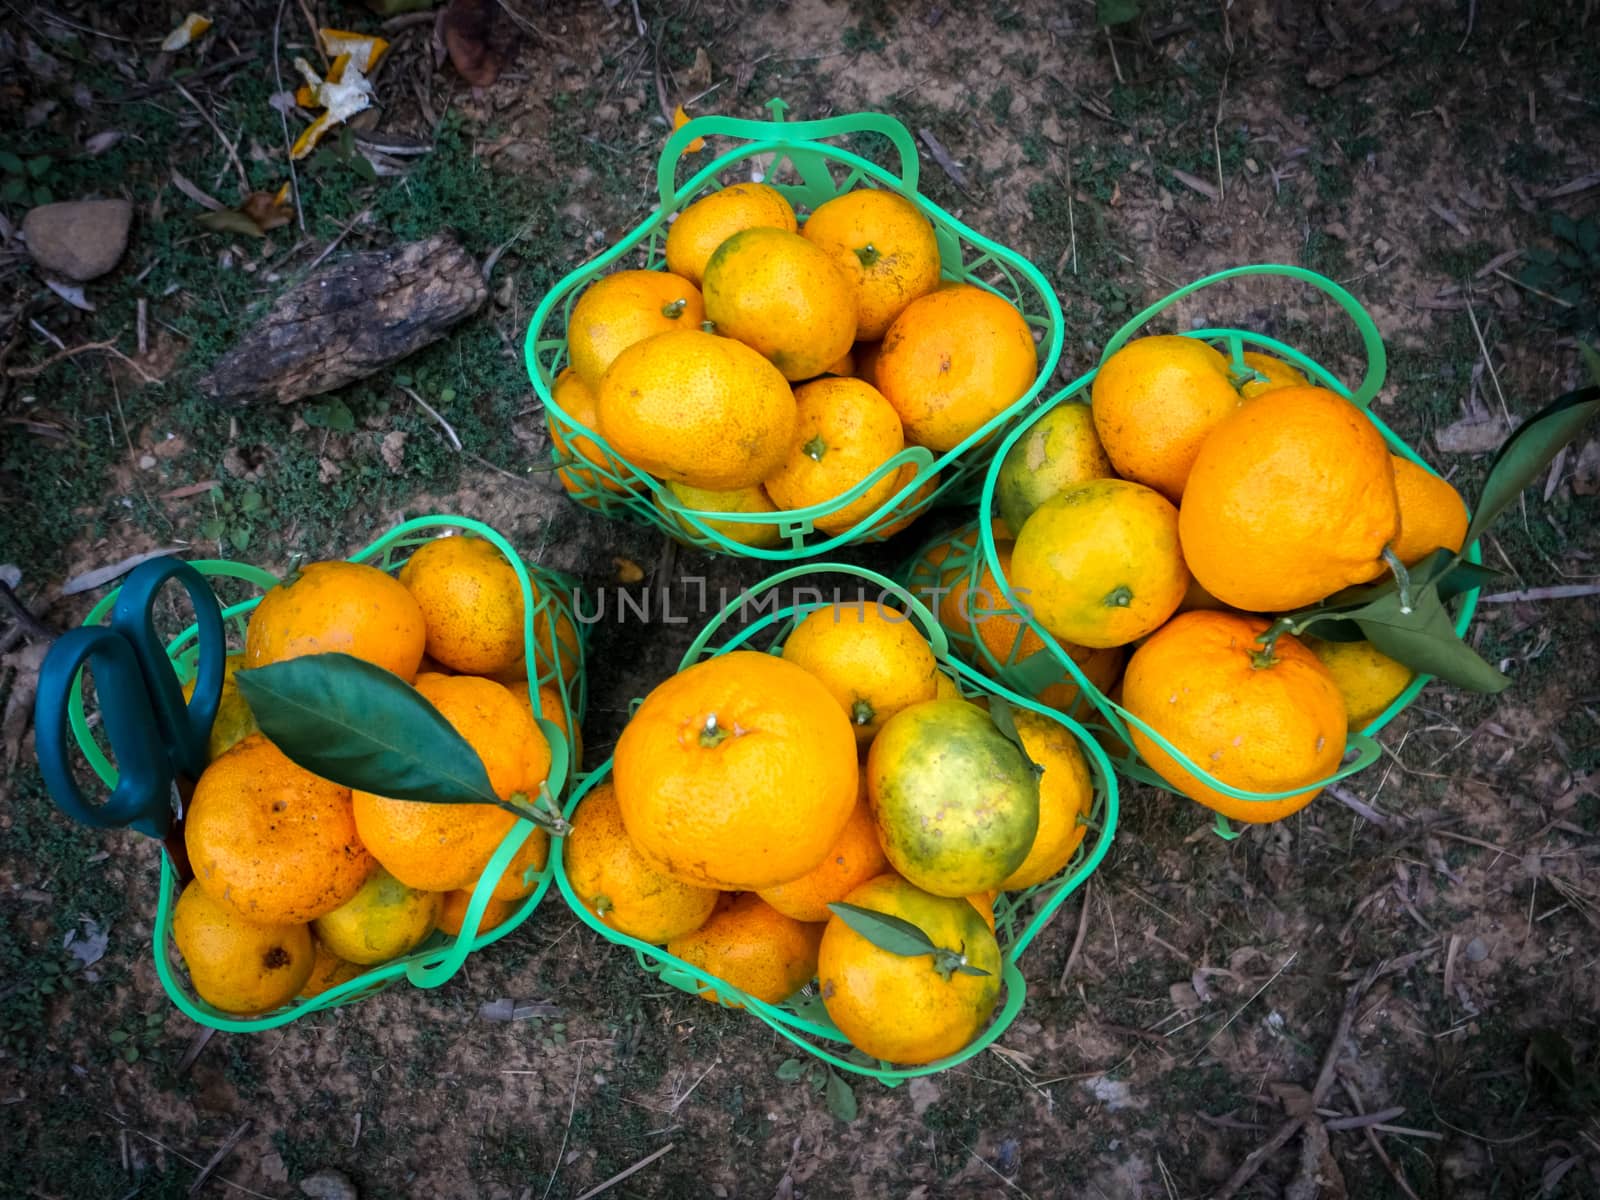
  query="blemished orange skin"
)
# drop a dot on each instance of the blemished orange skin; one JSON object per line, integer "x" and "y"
{"x": 1368, "y": 679}
{"x": 617, "y": 884}
{"x": 1432, "y": 514}
{"x": 737, "y": 773}
{"x": 1154, "y": 401}
{"x": 844, "y": 431}
{"x": 952, "y": 361}
{"x": 873, "y": 660}
{"x": 234, "y": 964}
{"x": 443, "y": 847}
{"x": 711, "y": 220}
{"x": 343, "y": 607}
{"x": 1066, "y": 794}
{"x": 328, "y": 970}
{"x": 453, "y": 911}
{"x": 1267, "y": 728}
{"x": 577, "y": 399}
{"x": 751, "y": 499}
{"x": 855, "y": 858}
{"x": 516, "y": 883}
{"x": 752, "y": 946}
{"x": 703, "y": 410}
{"x": 785, "y": 297}
{"x": 383, "y": 920}
{"x": 471, "y": 604}
{"x": 1279, "y": 374}
{"x": 1100, "y": 564}
{"x": 1291, "y": 498}
{"x": 900, "y": 1009}
{"x": 624, "y": 308}
{"x": 1059, "y": 449}
{"x": 271, "y": 839}
{"x": 893, "y": 242}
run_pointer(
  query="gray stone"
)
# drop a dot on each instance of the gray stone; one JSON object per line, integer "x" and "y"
{"x": 78, "y": 239}
{"x": 328, "y": 1185}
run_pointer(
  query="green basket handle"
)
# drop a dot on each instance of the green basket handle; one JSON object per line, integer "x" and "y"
{"x": 1371, "y": 339}
{"x": 778, "y": 132}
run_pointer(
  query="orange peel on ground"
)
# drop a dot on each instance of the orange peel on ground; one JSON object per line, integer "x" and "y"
{"x": 341, "y": 98}
{"x": 190, "y": 31}
{"x": 679, "y": 119}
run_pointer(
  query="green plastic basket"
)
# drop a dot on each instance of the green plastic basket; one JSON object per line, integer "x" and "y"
{"x": 546, "y": 597}
{"x": 822, "y": 172}
{"x": 1027, "y": 674}
{"x": 1019, "y": 916}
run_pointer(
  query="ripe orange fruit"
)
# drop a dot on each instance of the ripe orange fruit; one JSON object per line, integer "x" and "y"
{"x": 1100, "y": 564}
{"x": 894, "y": 245}
{"x": 551, "y": 709}
{"x": 328, "y": 970}
{"x": 872, "y": 659}
{"x": 975, "y": 610}
{"x": 753, "y": 947}
{"x": 1279, "y": 374}
{"x": 750, "y": 499}
{"x": 384, "y": 920}
{"x": 844, "y": 431}
{"x": 1059, "y": 449}
{"x": 956, "y": 804}
{"x": 1066, "y": 798}
{"x": 453, "y": 912}
{"x": 234, "y": 721}
{"x": 843, "y": 366}
{"x": 1432, "y": 513}
{"x": 1101, "y": 667}
{"x": 271, "y": 839}
{"x": 906, "y": 1010}
{"x": 521, "y": 874}
{"x": 737, "y": 773}
{"x": 784, "y": 296}
{"x": 1154, "y": 402}
{"x": 624, "y": 308}
{"x": 471, "y": 603}
{"x": 443, "y": 847}
{"x": 346, "y": 607}
{"x": 909, "y": 507}
{"x": 1368, "y": 679}
{"x": 700, "y": 409}
{"x": 1256, "y": 722}
{"x": 234, "y": 964}
{"x": 577, "y": 399}
{"x": 984, "y": 903}
{"x": 613, "y": 880}
{"x": 1291, "y": 498}
{"x": 952, "y": 361}
{"x": 865, "y": 356}
{"x": 714, "y": 218}
{"x": 855, "y": 858}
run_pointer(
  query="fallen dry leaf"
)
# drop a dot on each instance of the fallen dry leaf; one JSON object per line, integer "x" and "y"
{"x": 393, "y": 450}
{"x": 328, "y": 470}
{"x": 628, "y": 571}
{"x": 1471, "y": 436}
{"x": 25, "y": 663}
{"x": 1586, "y": 471}
{"x": 467, "y": 27}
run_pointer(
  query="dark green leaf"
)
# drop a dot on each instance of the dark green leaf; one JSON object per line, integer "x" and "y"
{"x": 211, "y": 528}
{"x": 1465, "y": 576}
{"x": 1115, "y": 12}
{"x": 130, "y": 1053}
{"x": 969, "y": 969}
{"x": 331, "y": 414}
{"x": 1550, "y": 1051}
{"x": 886, "y": 932}
{"x": 790, "y": 1070}
{"x": 239, "y": 535}
{"x": 363, "y": 167}
{"x": 250, "y": 502}
{"x": 43, "y": 195}
{"x": 10, "y": 163}
{"x": 1425, "y": 641}
{"x": 228, "y": 220}
{"x": 1589, "y": 235}
{"x": 1529, "y": 450}
{"x": 1001, "y": 716}
{"x": 841, "y": 1097}
{"x": 365, "y": 728}
{"x": 118, "y": 1036}
{"x": 1033, "y": 674}
{"x": 39, "y": 166}
{"x": 1564, "y": 227}
{"x": 1591, "y": 359}
{"x": 13, "y": 189}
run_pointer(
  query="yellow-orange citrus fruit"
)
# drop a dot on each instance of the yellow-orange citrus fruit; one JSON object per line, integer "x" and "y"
{"x": 737, "y": 773}
{"x": 909, "y": 508}
{"x": 844, "y": 365}
{"x": 893, "y": 242}
{"x": 855, "y": 858}
{"x": 1066, "y": 798}
{"x": 751, "y": 499}
{"x": 975, "y": 610}
{"x": 443, "y": 847}
{"x": 865, "y": 355}
{"x": 453, "y": 912}
{"x": 1059, "y": 449}
{"x": 1278, "y": 373}
{"x": 382, "y": 921}
{"x": 1154, "y": 402}
{"x": 471, "y": 603}
{"x": 711, "y": 220}
{"x": 955, "y": 802}
{"x": 520, "y": 877}
{"x": 872, "y": 659}
{"x": 270, "y": 838}
{"x": 619, "y": 310}
{"x": 700, "y": 409}
{"x": 577, "y": 400}
{"x": 1432, "y": 513}
{"x": 1291, "y": 498}
{"x": 344, "y": 607}
{"x": 1368, "y": 679}
{"x": 1102, "y": 668}
{"x": 753, "y": 947}
{"x": 234, "y": 721}
{"x": 905, "y": 1010}
{"x": 552, "y": 710}
{"x": 234, "y": 964}
{"x": 952, "y": 361}
{"x": 784, "y": 296}
{"x": 1100, "y": 564}
{"x": 328, "y": 970}
{"x": 1255, "y": 722}
{"x": 984, "y": 903}
{"x": 613, "y": 880}
{"x": 844, "y": 431}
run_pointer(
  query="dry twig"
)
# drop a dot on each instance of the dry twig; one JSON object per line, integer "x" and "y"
{"x": 624, "y": 1174}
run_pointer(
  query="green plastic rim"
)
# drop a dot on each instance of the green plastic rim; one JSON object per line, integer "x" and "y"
{"x": 605, "y": 482}
{"x": 1026, "y": 673}
{"x": 1019, "y": 916}
{"x": 546, "y": 604}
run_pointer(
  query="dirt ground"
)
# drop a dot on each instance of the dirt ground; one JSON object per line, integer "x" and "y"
{"x": 1440, "y": 160}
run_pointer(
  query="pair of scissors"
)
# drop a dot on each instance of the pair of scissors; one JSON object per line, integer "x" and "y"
{"x": 158, "y": 741}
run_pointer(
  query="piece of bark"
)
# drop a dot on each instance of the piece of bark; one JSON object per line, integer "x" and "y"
{"x": 348, "y": 320}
